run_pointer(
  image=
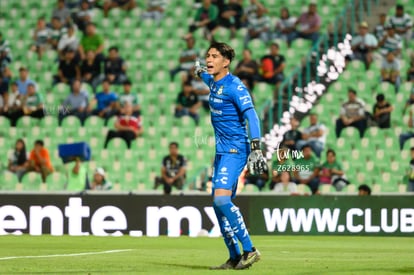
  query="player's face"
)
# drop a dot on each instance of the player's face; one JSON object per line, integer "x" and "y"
{"x": 216, "y": 63}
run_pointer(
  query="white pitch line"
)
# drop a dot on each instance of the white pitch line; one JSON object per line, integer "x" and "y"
{"x": 65, "y": 255}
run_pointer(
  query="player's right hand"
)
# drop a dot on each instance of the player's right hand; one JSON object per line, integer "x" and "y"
{"x": 198, "y": 69}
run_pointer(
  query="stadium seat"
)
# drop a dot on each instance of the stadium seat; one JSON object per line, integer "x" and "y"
{"x": 32, "y": 181}
{"x": 56, "y": 181}
{"x": 9, "y": 181}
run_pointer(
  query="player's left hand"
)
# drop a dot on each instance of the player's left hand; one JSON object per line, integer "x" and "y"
{"x": 256, "y": 163}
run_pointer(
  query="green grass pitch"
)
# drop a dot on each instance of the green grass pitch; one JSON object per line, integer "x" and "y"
{"x": 184, "y": 255}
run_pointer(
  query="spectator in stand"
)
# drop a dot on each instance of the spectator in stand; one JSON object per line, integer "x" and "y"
{"x": 410, "y": 101}
{"x": 99, "y": 181}
{"x": 410, "y": 71}
{"x": 314, "y": 136}
{"x": 123, "y": 4}
{"x": 75, "y": 104}
{"x": 24, "y": 80}
{"x": 407, "y": 135}
{"x": 363, "y": 45}
{"x": 247, "y": 69}
{"x": 201, "y": 90}
{"x": 173, "y": 170}
{"x": 390, "y": 70}
{"x": 41, "y": 36}
{"x": 84, "y": 16}
{"x": 155, "y": 10}
{"x": 379, "y": 29}
{"x": 39, "y": 160}
{"x": 307, "y": 170}
{"x": 128, "y": 127}
{"x": 187, "y": 57}
{"x": 285, "y": 26}
{"x": 56, "y": 31}
{"x": 188, "y": 103}
{"x": 5, "y": 72}
{"x": 32, "y": 105}
{"x": 285, "y": 185}
{"x": 18, "y": 159}
{"x": 292, "y": 136}
{"x": 331, "y": 172}
{"x": 231, "y": 16}
{"x": 127, "y": 97}
{"x": 307, "y": 25}
{"x": 272, "y": 66}
{"x": 62, "y": 12}
{"x": 364, "y": 190}
{"x": 206, "y": 17}
{"x": 13, "y": 103}
{"x": 69, "y": 69}
{"x": 68, "y": 41}
{"x": 282, "y": 161}
{"x": 115, "y": 67}
{"x": 403, "y": 23}
{"x": 410, "y": 184}
{"x": 382, "y": 112}
{"x": 91, "y": 41}
{"x": 91, "y": 70}
{"x": 391, "y": 42}
{"x": 352, "y": 114}
{"x": 105, "y": 101}
{"x": 250, "y": 10}
{"x": 258, "y": 27}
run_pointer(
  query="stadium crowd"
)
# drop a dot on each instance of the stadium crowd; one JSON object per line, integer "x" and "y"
{"x": 101, "y": 84}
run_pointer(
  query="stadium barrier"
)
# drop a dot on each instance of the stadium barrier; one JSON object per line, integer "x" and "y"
{"x": 153, "y": 215}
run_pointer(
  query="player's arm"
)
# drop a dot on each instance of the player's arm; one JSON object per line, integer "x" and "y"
{"x": 256, "y": 163}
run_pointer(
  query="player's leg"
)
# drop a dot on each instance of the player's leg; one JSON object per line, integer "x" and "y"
{"x": 225, "y": 185}
{"x": 230, "y": 239}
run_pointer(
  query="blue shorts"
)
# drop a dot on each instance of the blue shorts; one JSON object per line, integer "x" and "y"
{"x": 226, "y": 171}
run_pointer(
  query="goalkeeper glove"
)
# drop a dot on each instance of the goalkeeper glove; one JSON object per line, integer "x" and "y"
{"x": 198, "y": 69}
{"x": 256, "y": 163}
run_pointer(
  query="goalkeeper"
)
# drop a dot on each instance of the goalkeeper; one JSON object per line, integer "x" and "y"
{"x": 231, "y": 105}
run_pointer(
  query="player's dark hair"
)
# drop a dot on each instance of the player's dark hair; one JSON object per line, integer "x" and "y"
{"x": 174, "y": 143}
{"x": 224, "y": 49}
{"x": 39, "y": 142}
{"x": 400, "y": 7}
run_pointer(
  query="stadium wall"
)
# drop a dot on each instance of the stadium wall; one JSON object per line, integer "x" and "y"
{"x": 154, "y": 215}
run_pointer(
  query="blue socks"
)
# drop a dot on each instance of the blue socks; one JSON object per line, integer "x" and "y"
{"x": 229, "y": 238}
{"x": 228, "y": 210}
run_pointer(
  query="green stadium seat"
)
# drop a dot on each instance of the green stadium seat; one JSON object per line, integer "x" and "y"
{"x": 56, "y": 181}
{"x": 9, "y": 181}
{"x": 31, "y": 181}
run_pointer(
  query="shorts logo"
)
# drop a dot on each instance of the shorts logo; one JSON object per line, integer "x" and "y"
{"x": 223, "y": 171}
{"x": 223, "y": 180}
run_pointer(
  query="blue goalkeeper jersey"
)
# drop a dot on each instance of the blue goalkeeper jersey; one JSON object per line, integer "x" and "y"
{"x": 229, "y": 100}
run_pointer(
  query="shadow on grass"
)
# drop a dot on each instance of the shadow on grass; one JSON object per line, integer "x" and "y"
{"x": 187, "y": 266}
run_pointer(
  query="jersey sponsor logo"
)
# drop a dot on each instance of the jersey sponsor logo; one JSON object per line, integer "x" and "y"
{"x": 240, "y": 88}
{"x": 245, "y": 99}
{"x": 217, "y": 112}
{"x": 233, "y": 150}
{"x": 217, "y": 100}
